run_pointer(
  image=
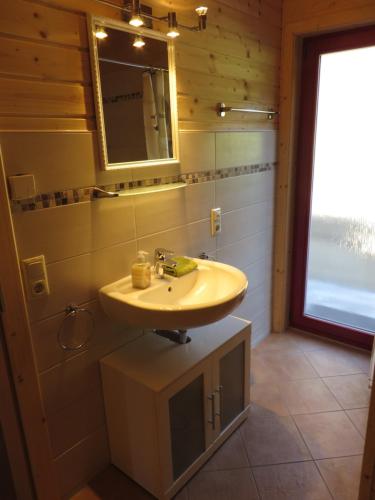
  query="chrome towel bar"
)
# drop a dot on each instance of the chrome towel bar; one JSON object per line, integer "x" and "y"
{"x": 222, "y": 109}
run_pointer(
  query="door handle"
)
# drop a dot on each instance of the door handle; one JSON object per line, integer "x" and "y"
{"x": 220, "y": 391}
{"x": 212, "y": 419}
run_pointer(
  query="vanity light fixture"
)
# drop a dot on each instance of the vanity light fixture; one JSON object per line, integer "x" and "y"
{"x": 136, "y": 18}
{"x": 139, "y": 13}
{"x": 202, "y": 17}
{"x": 172, "y": 25}
{"x": 100, "y": 33}
{"x": 139, "y": 42}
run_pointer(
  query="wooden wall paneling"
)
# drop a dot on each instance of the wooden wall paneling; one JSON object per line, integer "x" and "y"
{"x": 28, "y": 98}
{"x": 18, "y": 340}
{"x": 46, "y": 124}
{"x": 226, "y": 89}
{"x": 225, "y": 65}
{"x": 23, "y": 58}
{"x": 193, "y": 109}
{"x": 295, "y": 10}
{"x": 39, "y": 22}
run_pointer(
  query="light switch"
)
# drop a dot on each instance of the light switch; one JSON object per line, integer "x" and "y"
{"x": 22, "y": 186}
{"x": 215, "y": 221}
{"x": 35, "y": 277}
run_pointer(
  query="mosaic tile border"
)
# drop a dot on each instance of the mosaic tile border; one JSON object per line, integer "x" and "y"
{"x": 80, "y": 195}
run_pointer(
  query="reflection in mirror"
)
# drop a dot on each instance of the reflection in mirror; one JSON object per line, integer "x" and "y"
{"x": 134, "y": 98}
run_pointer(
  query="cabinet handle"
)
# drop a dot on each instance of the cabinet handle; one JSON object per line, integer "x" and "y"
{"x": 220, "y": 390}
{"x": 212, "y": 419}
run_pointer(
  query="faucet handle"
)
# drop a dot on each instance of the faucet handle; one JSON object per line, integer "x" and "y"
{"x": 162, "y": 254}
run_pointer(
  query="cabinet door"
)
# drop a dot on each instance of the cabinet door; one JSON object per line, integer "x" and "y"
{"x": 186, "y": 417}
{"x": 232, "y": 379}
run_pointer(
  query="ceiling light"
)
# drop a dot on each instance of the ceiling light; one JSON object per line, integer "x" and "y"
{"x": 136, "y": 19}
{"x": 100, "y": 33}
{"x": 139, "y": 42}
{"x": 172, "y": 25}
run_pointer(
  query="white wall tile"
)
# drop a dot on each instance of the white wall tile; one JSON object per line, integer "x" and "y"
{"x": 159, "y": 211}
{"x": 63, "y": 232}
{"x": 68, "y": 382}
{"x": 106, "y": 335}
{"x": 238, "y": 192}
{"x": 253, "y": 304}
{"x": 76, "y": 421}
{"x": 78, "y": 279}
{"x": 191, "y": 239}
{"x": 199, "y": 199}
{"x": 58, "y": 160}
{"x": 197, "y": 151}
{"x": 244, "y": 222}
{"x": 256, "y": 273}
{"x": 245, "y": 252}
{"x": 244, "y": 148}
{"x": 82, "y": 462}
{"x": 112, "y": 221}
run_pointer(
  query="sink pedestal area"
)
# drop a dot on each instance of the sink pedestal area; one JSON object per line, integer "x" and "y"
{"x": 169, "y": 406}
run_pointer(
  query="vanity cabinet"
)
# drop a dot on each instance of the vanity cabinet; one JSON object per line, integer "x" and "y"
{"x": 170, "y": 406}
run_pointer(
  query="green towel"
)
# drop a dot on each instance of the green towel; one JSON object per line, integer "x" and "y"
{"x": 178, "y": 266}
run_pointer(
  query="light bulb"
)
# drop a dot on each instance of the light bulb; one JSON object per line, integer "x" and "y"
{"x": 201, "y": 11}
{"x": 100, "y": 33}
{"x": 139, "y": 42}
{"x": 136, "y": 21}
{"x": 172, "y": 25}
{"x": 173, "y": 33}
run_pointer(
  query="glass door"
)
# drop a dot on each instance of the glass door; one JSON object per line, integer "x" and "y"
{"x": 333, "y": 285}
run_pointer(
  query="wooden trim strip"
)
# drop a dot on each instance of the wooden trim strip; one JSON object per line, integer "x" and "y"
{"x": 18, "y": 340}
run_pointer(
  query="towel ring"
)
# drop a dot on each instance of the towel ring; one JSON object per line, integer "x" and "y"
{"x": 71, "y": 312}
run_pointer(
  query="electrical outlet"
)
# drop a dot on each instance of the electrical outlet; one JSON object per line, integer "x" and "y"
{"x": 215, "y": 221}
{"x": 35, "y": 277}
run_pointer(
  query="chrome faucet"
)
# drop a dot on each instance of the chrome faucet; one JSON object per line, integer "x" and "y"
{"x": 161, "y": 255}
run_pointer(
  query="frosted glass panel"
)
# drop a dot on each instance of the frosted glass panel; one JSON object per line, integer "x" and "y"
{"x": 186, "y": 415}
{"x": 340, "y": 286}
{"x": 232, "y": 370}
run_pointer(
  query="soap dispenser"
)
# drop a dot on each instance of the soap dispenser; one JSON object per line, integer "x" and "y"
{"x": 141, "y": 270}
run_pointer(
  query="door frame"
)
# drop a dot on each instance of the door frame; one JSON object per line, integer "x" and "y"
{"x": 23, "y": 372}
{"x": 292, "y": 36}
{"x": 12, "y": 431}
{"x": 312, "y": 48}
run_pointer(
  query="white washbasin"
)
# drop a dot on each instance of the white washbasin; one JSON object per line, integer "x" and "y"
{"x": 203, "y": 296}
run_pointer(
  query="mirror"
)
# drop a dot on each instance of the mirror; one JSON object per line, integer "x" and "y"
{"x": 135, "y": 96}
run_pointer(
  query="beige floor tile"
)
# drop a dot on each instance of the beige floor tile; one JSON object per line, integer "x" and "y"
{"x": 277, "y": 342}
{"x": 270, "y": 439}
{"x": 112, "y": 484}
{"x": 359, "y": 418}
{"x": 308, "y": 396}
{"x": 223, "y": 485}
{"x": 332, "y": 361}
{"x": 330, "y": 435}
{"x": 291, "y": 482}
{"x": 307, "y": 342}
{"x": 351, "y": 391}
{"x": 231, "y": 455}
{"x": 342, "y": 476}
{"x": 273, "y": 366}
{"x": 268, "y": 397}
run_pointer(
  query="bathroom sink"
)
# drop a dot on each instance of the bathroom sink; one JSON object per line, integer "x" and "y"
{"x": 203, "y": 296}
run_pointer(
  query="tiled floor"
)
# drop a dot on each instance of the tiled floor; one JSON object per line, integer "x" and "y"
{"x": 303, "y": 439}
